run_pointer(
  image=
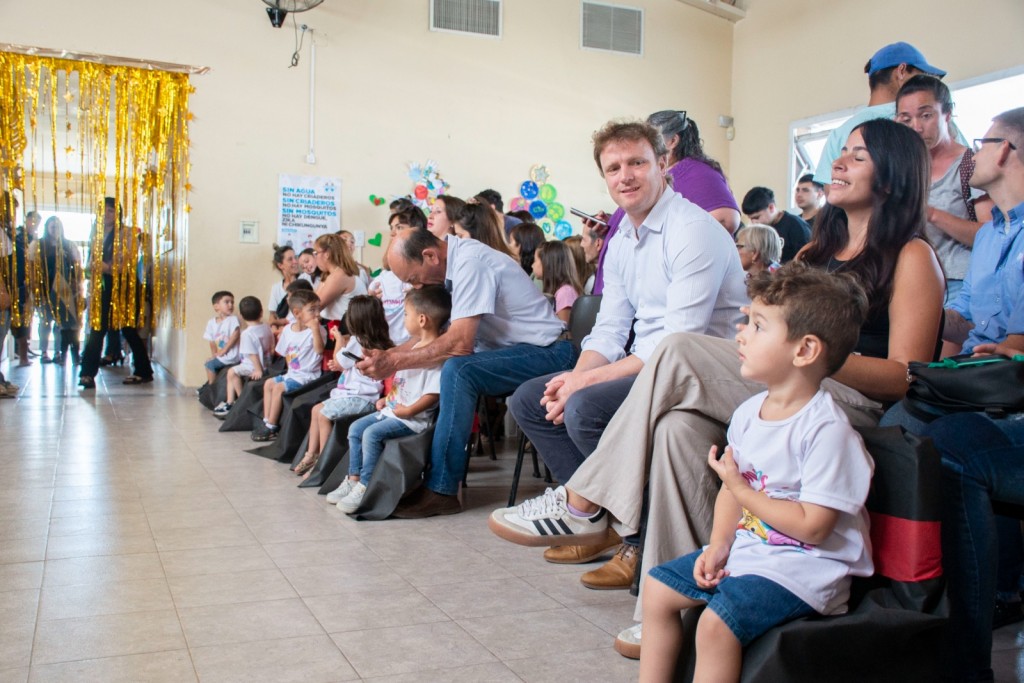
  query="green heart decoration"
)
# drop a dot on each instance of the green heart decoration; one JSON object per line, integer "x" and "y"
{"x": 376, "y": 240}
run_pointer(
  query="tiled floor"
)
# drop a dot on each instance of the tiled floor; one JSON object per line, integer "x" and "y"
{"x": 139, "y": 544}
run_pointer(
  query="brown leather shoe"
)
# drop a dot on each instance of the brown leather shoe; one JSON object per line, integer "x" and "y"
{"x": 427, "y": 504}
{"x": 616, "y": 574}
{"x": 581, "y": 554}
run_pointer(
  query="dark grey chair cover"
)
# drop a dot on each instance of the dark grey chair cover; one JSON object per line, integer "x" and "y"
{"x": 333, "y": 453}
{"x": 211, "y": 395}
{"x": 399, "y": 470}
{"x": 296, "y": 410}
{"x": 239, "y": 418}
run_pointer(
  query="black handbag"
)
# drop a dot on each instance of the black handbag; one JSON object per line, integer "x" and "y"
{"x": 989, "y": 384}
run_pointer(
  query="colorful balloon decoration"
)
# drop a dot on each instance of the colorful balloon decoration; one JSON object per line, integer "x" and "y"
{"x": 538, "y": 196}
{"x": 427, "y": 183}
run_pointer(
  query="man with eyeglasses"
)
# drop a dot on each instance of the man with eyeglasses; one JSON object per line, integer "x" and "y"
{"x": 995, "y": 276}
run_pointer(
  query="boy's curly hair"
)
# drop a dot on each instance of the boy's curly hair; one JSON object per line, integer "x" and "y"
{"x": 831, "y": 306}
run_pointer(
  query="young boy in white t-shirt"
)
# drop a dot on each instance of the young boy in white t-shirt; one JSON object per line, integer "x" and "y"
{"x": 790, "y": 528}
{"x": 254, "y": 350}
{"x": 411, "y": 405}
{"x": 223, "y": 333}
{"x": 302, "y": 346}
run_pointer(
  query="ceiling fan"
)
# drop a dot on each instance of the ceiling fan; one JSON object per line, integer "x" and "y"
{"x": 277, "y": 10}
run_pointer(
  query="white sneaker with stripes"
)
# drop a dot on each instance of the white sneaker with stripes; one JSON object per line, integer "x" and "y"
{"x": 546, "y": 521}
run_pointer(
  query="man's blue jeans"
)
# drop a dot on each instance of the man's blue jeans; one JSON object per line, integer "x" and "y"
{"x": 564, "y": 447}
{"x": 464, "y": 380}
{"x": 366, "y": 440}
{"x": 982, "y": 463}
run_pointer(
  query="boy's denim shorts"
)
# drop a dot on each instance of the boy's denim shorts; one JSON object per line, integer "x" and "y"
{"x": 289, "y": 384}
{"x": 215, "y": 364}
{"x": 749, "y": 605}
{"x": 336, "y": 408}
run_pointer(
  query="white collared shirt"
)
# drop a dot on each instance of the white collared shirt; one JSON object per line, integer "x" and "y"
{"x": 488, "y": 283}
{"x": 678, "y": 272}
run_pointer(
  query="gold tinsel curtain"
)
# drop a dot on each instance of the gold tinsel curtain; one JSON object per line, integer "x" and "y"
{"x": 73, "y": 132}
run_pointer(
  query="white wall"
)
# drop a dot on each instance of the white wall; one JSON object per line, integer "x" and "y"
{"x": 389, "y": 92}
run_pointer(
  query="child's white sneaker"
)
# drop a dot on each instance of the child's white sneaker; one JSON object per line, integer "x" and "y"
{"x": 222, "y": 410}
{"x": 335, "y": 496}
{"x": 354, "y": 499}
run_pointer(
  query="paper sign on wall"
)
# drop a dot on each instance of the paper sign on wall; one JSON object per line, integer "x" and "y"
{"x": 308, "y": 206}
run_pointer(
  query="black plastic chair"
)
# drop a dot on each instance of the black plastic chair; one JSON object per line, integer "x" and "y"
{"x": 581, "y": 322}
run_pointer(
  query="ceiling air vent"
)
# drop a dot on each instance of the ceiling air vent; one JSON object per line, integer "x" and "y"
{"x": 482, "y": 17}
{"x": 612, "y": 27}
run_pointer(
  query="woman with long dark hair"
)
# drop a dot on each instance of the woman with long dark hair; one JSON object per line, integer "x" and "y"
{"x": 686, "y": 394}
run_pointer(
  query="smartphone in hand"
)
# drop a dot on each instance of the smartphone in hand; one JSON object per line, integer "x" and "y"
{"x": 587, "y": 216}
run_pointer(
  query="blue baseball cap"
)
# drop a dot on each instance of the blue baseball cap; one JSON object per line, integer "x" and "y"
{"x": 901, "y": 53}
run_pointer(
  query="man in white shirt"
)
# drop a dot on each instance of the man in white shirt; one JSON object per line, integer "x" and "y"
{"x": 502, "y": 333}
{"x": 669, "y": 268}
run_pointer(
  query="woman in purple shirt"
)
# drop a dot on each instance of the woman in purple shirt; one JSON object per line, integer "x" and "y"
{"x": 691, "y": 173}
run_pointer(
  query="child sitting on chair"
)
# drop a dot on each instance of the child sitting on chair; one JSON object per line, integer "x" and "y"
{"x": 410, "y": 406}
{"x": 222, "y": 332}
{"x": 302, "y": 346}
{"x": 254, "y": 349}
{"x": 355, "y": 394}
{"x": 790, "y": 528}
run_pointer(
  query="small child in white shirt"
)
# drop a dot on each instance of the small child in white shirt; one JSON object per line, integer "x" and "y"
{"x": 222, "y": 332}
{"x": 302, "y": 346}
{"x": 790, "y": 528}
{"x": 355, "y": 394}
{"x": 411, "y": 405}
{"x": 255, "y": 348}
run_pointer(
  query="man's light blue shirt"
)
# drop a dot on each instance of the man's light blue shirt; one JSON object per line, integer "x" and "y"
{"x": 993, "y": 290}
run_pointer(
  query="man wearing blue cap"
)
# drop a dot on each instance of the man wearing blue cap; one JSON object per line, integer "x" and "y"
{"x": 887, "y": 70}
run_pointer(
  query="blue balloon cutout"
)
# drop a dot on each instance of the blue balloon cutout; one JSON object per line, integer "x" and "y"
{"x": 538, "y": 209}
{"x": 563, "y": 229}
{"x": 528, "y": 190}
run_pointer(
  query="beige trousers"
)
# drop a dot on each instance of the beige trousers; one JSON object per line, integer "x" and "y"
{"x": 678, "y": 408}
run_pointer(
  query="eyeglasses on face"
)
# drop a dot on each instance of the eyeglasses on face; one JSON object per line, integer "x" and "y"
{"x": 978, "y": 142}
